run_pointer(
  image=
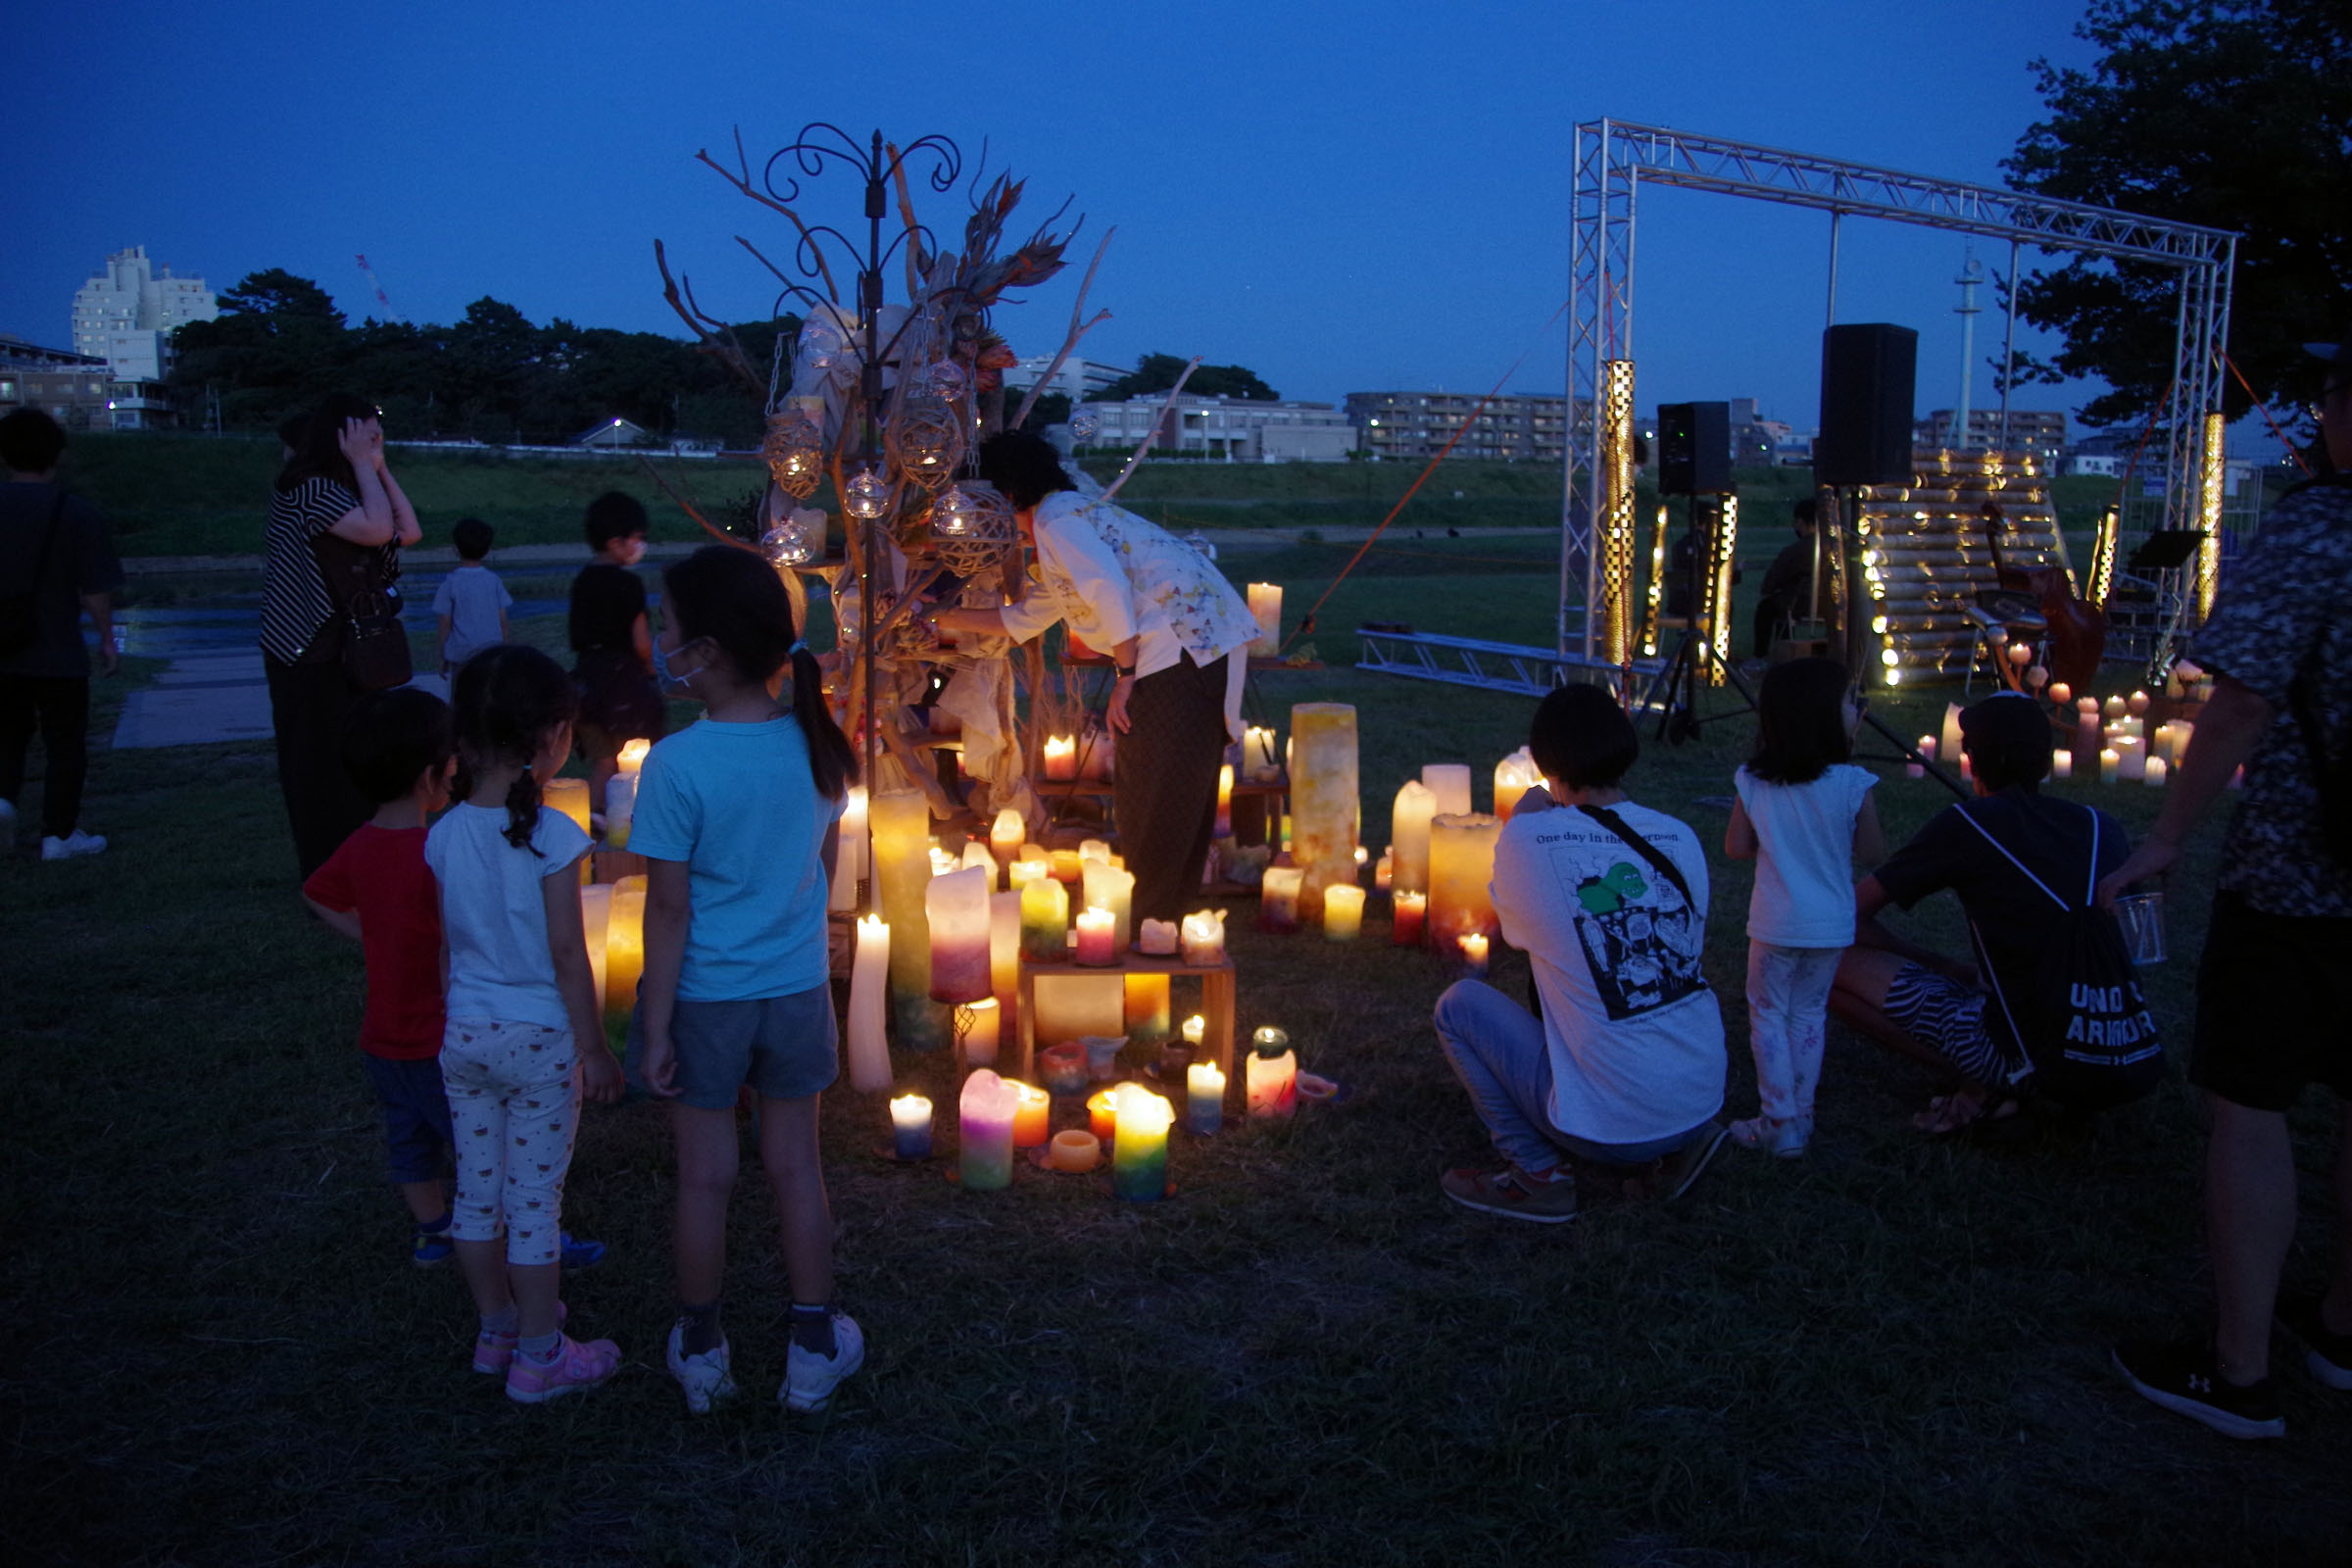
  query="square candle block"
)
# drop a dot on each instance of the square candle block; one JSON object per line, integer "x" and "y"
{"x": 1216, "y": 997}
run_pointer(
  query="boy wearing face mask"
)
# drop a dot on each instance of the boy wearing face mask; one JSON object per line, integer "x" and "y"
{"x": 611, "y": 646}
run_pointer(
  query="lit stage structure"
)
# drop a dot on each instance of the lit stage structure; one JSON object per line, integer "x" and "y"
{"x": 1614, "y": 158}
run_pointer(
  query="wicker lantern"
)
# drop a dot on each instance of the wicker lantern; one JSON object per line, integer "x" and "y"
{"x": 925, "y": 441}
{"x": 971, "y": 526}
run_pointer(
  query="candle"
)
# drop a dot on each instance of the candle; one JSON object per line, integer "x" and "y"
{"x": 986, "y": 1027}
{"x": 2114, "y": 707}
{"x": 2131, "y": 758}
{"x": 1156, "y": 938}
{"x": 625, "y": 946}
{"x": 568, "y": 796}
{"x": 1004, "y": 944}
{"x": 1474, "y": 953}
{"x": 1196, "y": 1030}
{"x": 2061, "y": 693}
{"x": 621, "y": 805}
{"x": 1223, "y": 828}
{"x": 1325, "y": 801}
{"x": 956, "y": 907}
{"x": 1044, "y": 921}
{"x": 1258, "y": 762}
{"x": 2062, "y": 763}
{"x": 1266, "y": 604}
{"x": 1029, "y": 1124}
{"x": 1103, "y": 1055}
{"x": 1102, "y": 1114}
{"x": 1203, "y": 938}
{"x": 1096, "y": 928}
{"x": 1411, "y": 909}
{"x": 631, "y": 755}
{"x": 1105, "y": 886}
{"x": 985, "y": 1113}
{"x": 1139, "y": 1156}
{"x": 1075, "y": 1006}
{"x": 1020, "y": 873}
{"x": 910, "y": 1127}
{"x": 1416, "y": 804}
{"x": 869, "y": 1053}
{"x": 2165, "y": 743}
{"x": 849, "y": 851}
{"x": 1948, "y": 746}
{"x": 1343, "y": 913}
{"x": 1514, "y": 776}
{"x": 2137, "y": 704}
{"x": 2183, "y": 731}
{"x": 1062, "y": 1067}
{"x": 1005, "y": 835}
{"x": 1066, "y": 868}
{"x": 1093, "y": 849}
{"x": 902, "y": 829}
{"x": 1061, "y": 757}
{"x": 976, "y": 858}
{"x": 596, "y": 924}
{"x": 2036, "y": 677}
{"x": 2108, "y": 762}
{"x": 1461, "y": 862}
{"x": 1927, "y": 752}
{"x": 1450, "y": 782}
{"x": 942, "y": 862}
{"x": 1203, "y": 1098}
{"x": 1272, "y": 1079}
{"x": 1147, "y": 1007}
{"x": 1075, "y": 1151}
{"x": 1384, "y": 871}
{"x": 2153, "y": 772}
{"x": 2020, "y": 653}
{"x": 1277, "y": 899}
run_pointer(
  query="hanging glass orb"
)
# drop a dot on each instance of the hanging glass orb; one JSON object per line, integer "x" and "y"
{"x": 925, "y": 441}
{"x": 948, "y": 379}
{"x": 1084, "y": 423}
{"x": 868, "y": 495}
{"x": 971, "y": 526}
{"x": 820, "y": 343}
{"x": 796, "y": 539}
{"x": 795, "y": 453}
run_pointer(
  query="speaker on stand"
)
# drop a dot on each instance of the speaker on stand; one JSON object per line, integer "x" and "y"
{"x": 1695, "y": 461}
{"x": 1868, "y": 374}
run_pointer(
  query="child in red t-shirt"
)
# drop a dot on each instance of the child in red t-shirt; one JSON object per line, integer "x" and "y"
{"x": 376, "y": 890}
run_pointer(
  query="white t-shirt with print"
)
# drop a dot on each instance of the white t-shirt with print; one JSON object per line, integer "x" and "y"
{"x": 1804, "y": 895}
{"x": 1634, "y": 1032}
{"x": 495, "y": 915}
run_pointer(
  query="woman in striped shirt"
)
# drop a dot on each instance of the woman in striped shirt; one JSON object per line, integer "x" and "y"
{"x": 334, "y": 493}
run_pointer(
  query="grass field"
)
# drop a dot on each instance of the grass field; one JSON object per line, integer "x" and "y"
{"x": 1893, "y": 1351}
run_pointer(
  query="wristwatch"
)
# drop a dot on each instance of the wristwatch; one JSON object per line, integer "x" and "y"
{"x": 1125, "y": 671}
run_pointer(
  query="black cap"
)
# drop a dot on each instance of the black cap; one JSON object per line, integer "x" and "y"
{"x": 2007, "y": 739}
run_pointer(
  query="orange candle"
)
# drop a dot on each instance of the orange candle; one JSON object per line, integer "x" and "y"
{"x": 1029, "y": 1116}
{"x": 1102, "y": 1113}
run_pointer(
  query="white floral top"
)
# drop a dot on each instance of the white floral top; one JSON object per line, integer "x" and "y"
{"x": 1112, "y": 575}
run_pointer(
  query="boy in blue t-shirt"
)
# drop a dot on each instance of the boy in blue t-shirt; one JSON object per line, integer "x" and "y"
{"x": 471, "y": 602}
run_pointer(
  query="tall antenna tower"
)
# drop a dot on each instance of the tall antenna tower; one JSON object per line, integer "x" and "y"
{"x": 381, "y": 298}
{"x": 1972, "y": 273}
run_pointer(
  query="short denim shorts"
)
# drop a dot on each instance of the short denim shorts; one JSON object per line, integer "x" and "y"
{"x": 784, "y": 1046}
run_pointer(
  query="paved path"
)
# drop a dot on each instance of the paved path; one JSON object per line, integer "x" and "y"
{"x": 201, "y": 698}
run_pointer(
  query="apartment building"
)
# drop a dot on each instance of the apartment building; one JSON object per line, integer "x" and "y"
{"x": 125, "y": 314}
{"x": 1231, "y": 429}
{"x": 1516, "y": 426}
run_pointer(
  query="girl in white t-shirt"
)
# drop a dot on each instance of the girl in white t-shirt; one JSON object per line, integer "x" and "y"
{"x": 523, "y": 1041}
{"x": 1805, "y": 817}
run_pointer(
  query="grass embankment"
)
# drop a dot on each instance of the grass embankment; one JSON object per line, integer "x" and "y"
{"x": 1891, "y": 1352}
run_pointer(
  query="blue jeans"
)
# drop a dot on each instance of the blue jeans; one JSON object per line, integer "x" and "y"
{"x": 1497, "y": 1049}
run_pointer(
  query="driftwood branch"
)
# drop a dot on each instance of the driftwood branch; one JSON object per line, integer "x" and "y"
{"x": 741, "y": 182}
{"x": 916, "y": 263}
{"x": 714, "y": 336}
{"x": 688, "y": 506}
{"x": 1078, "y": 330}
{"x": 1145, "y": 445}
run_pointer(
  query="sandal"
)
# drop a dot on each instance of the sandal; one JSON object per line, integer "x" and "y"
{"x": 1948, "y": 1115}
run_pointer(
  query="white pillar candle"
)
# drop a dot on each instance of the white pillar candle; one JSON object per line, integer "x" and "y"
{"x": 1450, "y": 783}
{"x": 1409, "y": 833}
{"x": 1203, "y": 938}
{"x": 1948, "y": 746}
{"x": 980, "y": 1040}
{"x": 1265, "y": 603}
{"x": 2108, "y": 763}
{"x": 621, "y": 805}
{"x": 1277, "y": 899}
{"x": 2153, "y": 772}
{"x": 1103, "y": 886}
{"x": 869, "y": 975}
{"x": 2062, "y": 763}
{"x": 849, "y": 851}
{"x": 1005, "y": 835}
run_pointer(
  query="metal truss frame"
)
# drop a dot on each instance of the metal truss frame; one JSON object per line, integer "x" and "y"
{"x": 1613, "y": 159}
{"x": 1490, "y": 666}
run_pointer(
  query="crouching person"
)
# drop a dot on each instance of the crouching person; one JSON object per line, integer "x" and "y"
{"x": 1609, "y": 901}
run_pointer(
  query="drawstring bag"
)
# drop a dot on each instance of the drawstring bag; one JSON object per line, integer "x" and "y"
{"x": 2106, "y": 1053}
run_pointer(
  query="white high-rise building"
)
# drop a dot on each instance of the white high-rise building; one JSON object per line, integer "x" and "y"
{"x": 125, "y": 314}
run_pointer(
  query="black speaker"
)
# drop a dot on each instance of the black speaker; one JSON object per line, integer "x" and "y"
{"x": 1867, "y": 372}
{"x": 1694, "y": 449}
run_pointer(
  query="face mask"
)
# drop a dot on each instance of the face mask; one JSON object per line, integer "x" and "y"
{"x": 671, "y": 682}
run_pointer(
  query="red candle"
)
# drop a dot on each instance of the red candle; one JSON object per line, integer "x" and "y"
{"x": 1410, "y": 908}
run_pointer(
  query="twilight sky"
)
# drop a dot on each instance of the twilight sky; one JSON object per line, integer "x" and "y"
{"x": 1344, "y": 197}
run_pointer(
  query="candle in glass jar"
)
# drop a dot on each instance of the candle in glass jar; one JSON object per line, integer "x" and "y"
{"x": 1343, "y": 913}
{"x": 1138, "y": 1155}
{"x": 910, "y": 1127}
{"x": 1203, "y": 1098}
{"x": 985, "y": 1113}
{"x": 1474, "y": 953}
{"x": 1063, "y": 1067}
{"x": 980, "y": 1040}
{"x": 1277, "y": 899}
{"x": 1265, "y": 604}
{"x": 1076, "y": 1151}
{"x": 1411, "y": 909}
{"x": 1096, "y": 928}
{"x": 1258, "y": 762}
{"x": 1029, "y": 1118}
{"x": 1044, "y": 921}
{"x": 1203, "y": 938}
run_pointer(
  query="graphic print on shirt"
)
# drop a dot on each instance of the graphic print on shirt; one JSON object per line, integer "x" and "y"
{"x": 1641, "y": 940}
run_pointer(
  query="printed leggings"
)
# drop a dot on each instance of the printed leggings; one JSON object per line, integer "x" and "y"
{"x": 515, "y": 1106}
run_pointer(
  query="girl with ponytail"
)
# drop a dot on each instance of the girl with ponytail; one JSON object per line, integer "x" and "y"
{"x": 523, "y": 1042}
{"x": 737, "y": 817}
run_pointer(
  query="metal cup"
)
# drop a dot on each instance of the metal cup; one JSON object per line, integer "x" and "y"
{"x": 2142, "y": 915}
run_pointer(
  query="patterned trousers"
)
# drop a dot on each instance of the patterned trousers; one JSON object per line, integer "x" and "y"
{"x": 515, "y": 1106}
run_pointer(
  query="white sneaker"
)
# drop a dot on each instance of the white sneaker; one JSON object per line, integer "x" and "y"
{"x": 809, "y": 1379}
{"x": 705, "y": 1378}
{"x": 76, "y": 843}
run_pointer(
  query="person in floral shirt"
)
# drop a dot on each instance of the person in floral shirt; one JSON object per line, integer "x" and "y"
{"x": 1174, "y": 628}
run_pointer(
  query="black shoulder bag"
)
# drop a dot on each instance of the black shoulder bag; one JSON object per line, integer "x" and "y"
{"x": 375, "y": 645}
{"x": 1643, "y": 847}
{"x": 21, "y": 613}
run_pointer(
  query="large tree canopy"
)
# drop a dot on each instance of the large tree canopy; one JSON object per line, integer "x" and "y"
{"x": 2233, "y": 114}
{"x": 279, "y": 346}
{"x": 1156, "y": 373}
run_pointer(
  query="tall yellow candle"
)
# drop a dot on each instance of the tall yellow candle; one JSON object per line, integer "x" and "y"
{"x": 1004, "y": 944}
{"x": 625, "y": 946}
{"x": 1324, "y": 803}
{"x": 902, "y": 831}
{"x": 1408, "y": 848}
{"x": 1343, "y": 913}
{"x": 1461, "y": 862}
{"x": 1265, "y": 603}
{"x": 1146, "y": 1009}
{"x": 1450, "y": 782}
{"x": 1044, "y": 921}
{"x": 568, "y": 796}
{"x": 1224, "y": 823}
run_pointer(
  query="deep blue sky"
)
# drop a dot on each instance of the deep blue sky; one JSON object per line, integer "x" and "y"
{"x": 1342, "y": 197}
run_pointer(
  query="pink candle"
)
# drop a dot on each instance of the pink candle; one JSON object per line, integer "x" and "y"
{"x": 1097, "y": 926}
{"x": 1061, "y": 757}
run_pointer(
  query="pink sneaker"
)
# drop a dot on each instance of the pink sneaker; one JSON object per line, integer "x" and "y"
{"x": 576, "y": 1367}
{"x": 494, "y": 1353}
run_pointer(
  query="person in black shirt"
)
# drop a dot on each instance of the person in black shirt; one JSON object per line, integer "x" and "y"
{"x": 1783, "y": 597}
{"x": 612, "y": 648}
{"x": 2004, "y": 852}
